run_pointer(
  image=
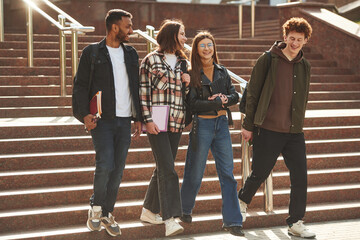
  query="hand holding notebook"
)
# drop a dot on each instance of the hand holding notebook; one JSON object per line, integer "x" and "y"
{"x": 160, "y": 116}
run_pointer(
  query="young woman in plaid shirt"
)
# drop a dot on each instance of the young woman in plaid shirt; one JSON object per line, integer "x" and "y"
{"x": 161, "y": 83}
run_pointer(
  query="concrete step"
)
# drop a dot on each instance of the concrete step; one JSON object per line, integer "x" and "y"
{"x": 333, "y": 104}
{"x": 73, "y": 215}
{"x": 33, "y": 80}
{"x": 83, "y": 175}
{"x": 37, "y": 196}
{"x": 201, "y": 223}
{"x": 35, "y": 101}
{"x": 35, "y": 71}
{"x": 315, "y": 70}
{"x": 55, "y": 79}
{"x": 52, "y": 111}
{"x": 73, "y": 137}
{"x": 69, "y": 126}
{"x": 73, "y": 143}
{"x": 55, "y": 45}
{"x": 35, "y": 90}
{"x": 41, "y": 53}
{"x": 315, "y": 98}
{"x": 47, "y": 62}
{"x": 316, "y": 78}
{"x": 32, "y": 90}
{"x": 55, "y": 38}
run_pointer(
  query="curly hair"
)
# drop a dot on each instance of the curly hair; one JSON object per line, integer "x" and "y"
{"x": 299, "y": 25}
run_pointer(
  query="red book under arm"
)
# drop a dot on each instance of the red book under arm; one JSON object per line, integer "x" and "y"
{"x": 95, "y": 105}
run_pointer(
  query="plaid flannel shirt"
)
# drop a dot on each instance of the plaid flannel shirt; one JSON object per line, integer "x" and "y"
{"x": 160, "y": 85}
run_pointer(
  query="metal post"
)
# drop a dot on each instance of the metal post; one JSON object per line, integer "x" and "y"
{"x": 245, "y": 156}
{"x": 1, "y": 20}
{"x": 74, "y": 51}
{"x": 151, "y": 32}
{"x": 268, "y": 194}
{"x": 253, "y": 18}
{"x": 62, "y": 42}
{"x": 240, "y": 20}
{"x": 30, "y": 36}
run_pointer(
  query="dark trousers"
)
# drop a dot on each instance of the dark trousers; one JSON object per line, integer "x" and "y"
{"x": 267, "y": 147}
{"x": 163, "y": 194}
{"x": 111, "y": 139}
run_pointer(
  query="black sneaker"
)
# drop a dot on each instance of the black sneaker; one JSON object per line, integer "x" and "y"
{"x": 235, "y": 230}
{"x": 186, "y": 218}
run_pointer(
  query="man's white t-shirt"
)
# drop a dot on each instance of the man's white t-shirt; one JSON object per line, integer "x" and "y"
{"x": 122, "y": 91}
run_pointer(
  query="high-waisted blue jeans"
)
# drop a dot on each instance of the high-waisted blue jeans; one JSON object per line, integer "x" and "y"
{"x": 212, "y": 134}
{"x": 111, "y": 139}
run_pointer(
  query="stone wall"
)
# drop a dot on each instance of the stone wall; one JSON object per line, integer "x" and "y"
{"x": 92, "y": 13}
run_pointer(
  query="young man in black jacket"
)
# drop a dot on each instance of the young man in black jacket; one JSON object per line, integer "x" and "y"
{"x": 113, "y": 68}
{"x": 275, "y": 112}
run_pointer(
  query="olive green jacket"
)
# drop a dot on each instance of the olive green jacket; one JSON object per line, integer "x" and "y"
{"x": 261, "y": 87}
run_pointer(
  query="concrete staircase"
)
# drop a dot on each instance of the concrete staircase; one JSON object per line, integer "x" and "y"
{"x": 47, "y": 159}
{"x": 263, "y": 29}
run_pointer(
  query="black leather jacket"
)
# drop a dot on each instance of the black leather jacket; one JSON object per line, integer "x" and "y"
{"x": 103, "y": 80}
{"x": 198, "y": 98}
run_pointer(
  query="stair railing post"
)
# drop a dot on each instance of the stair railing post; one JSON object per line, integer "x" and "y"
{"x": 151, "y": 32}
{"x": 74, "y": 51}
{"x": 245, "y": 156}
{"x": 268, "y": 194}
{"x": 240, "y": 20}
{"x": 30, "y": 36}
{"x": 62, "y": 43}
{"x": 253, "y": 18}
{"x": 1, "y": 20}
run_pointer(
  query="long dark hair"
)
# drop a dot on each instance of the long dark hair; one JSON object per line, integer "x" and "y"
{"x": 167, "y": 38}
{"x": 196, "y": 64}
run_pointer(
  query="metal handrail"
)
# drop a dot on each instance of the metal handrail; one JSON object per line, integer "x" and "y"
{"x": 240, "y": 6}
{"x": 74, "y": 29}
{"x": 1, "y": 20}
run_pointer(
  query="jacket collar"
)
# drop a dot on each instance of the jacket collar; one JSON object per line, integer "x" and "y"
{"x": 102, "y": 44}
{"x": 205, "y": 80}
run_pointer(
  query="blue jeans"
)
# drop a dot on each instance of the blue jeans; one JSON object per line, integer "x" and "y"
{"x": 212, "y": 134}
{"x": 111, "y": 139}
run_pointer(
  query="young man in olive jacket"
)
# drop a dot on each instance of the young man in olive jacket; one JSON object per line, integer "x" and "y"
{"x": 275, "y": 110}
{"x": 113, "y": 68}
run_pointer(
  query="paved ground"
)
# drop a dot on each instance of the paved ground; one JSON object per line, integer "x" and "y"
{"x": 337, "y": 230}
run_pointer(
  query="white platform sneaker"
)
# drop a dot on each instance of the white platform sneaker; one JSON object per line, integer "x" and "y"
{"x": 298, "y": 229}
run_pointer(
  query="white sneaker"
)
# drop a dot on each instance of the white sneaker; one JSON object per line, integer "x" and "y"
{"x": 148, "y": 216}
{"x": 243, "y": 207}
{"x": 298, "y": 229}
{"x": 172, "y": 227}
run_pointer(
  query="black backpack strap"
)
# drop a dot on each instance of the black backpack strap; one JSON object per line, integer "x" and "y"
{"x": 268, "y": 55}
{"x": 94, "y": 54}
{"x": 243, "y": 98}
